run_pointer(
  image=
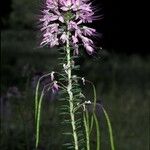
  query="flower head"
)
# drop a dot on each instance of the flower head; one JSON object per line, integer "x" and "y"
{"x": 61, "y": 16}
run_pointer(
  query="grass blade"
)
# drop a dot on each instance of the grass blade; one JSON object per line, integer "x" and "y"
{"x": 97, "y": 132}
{"x": 110, "y": 129}
{"x": 38, "y": 118}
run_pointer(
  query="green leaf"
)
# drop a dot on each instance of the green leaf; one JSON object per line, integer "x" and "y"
{"x": 67, "y": 133}
{"x": 67, "y": 144}
{"x": 109, "y": 128}
{"x": 86, "y": 125}
{"x": 38, "y": 119}
{"x": 97, "y": 133}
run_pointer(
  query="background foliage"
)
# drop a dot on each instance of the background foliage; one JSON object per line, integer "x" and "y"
{"x": 122, "y": 83}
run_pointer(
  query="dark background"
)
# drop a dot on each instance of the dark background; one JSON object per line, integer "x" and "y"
{"x": 124, "y": 25}
{"x": 120, "y": 72}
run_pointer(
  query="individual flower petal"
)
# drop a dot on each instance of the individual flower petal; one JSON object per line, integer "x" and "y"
{"x": 89, "y": 49}
{"x": 86, "y": 7}
{"x": 86, "y": 16}
{"x": 51, "y": 28}
{"x": 61, "y": 19}
{"x": 74, "y": 39}
{"x": 78, "y": 33}
{"x": 65, "y": 68}
{"x": 54, "y": 40}
{"x": 76, "y": 5}
{"x": 52, "y": 4}
{"x": 50, "y": 39}
{"x": 64, "y": 37}
{"x": 86, "y": 40}
{"x": 64, "y": 8}
{"x": 72, "y": 25}
{"x": 76, "y": 49}
{"x": 55, "y": 87}
{"x": 88, "y": 31}
{"x": 48, "y": 16}
{"x": 66, "y": 5}
{"x": 88, "y": 102}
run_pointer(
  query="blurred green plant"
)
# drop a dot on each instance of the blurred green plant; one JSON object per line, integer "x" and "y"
{"x": 23, "y": 14}
{"x": 129, "y": 74}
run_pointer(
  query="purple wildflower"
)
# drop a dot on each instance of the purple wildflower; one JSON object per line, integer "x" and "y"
{"x": 74, "y": 39}
{"x": 55, "y": 87}
{"x": 88, "y": 31}
{"x": 63, "y": 37}
{"x": 60, "y": 16}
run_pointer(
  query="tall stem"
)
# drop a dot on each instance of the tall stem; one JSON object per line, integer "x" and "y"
{"x": 69, "y": 88}
{"x": 86, "y": 124}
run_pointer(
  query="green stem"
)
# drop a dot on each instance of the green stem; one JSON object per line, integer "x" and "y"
{"x": 69, "y": 90}
{"x": 37, "y": 93}
{"x": 86, "y": 124}
{"x": 94, "y": 102}
{"x": 110, "y": 129}
{"x": 38, "y": 118}
{"x": 97, "y": 133}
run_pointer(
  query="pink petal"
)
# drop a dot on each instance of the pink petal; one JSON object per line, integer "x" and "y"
{"x": 89, "y": 49}
{"x": 74, "y": 39}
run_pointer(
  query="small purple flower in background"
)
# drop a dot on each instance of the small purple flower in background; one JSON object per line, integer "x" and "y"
{"x": 55, "y": 87}
{"x": 60, "y": 16}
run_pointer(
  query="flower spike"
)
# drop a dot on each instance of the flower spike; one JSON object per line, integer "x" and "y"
{"x": 72, "y": 13}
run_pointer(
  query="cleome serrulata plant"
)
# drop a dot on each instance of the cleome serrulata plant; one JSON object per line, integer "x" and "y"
{"x": 64, "y": 24}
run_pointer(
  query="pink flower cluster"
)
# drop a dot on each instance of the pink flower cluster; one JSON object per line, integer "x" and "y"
{"x": 60, "y": 16}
